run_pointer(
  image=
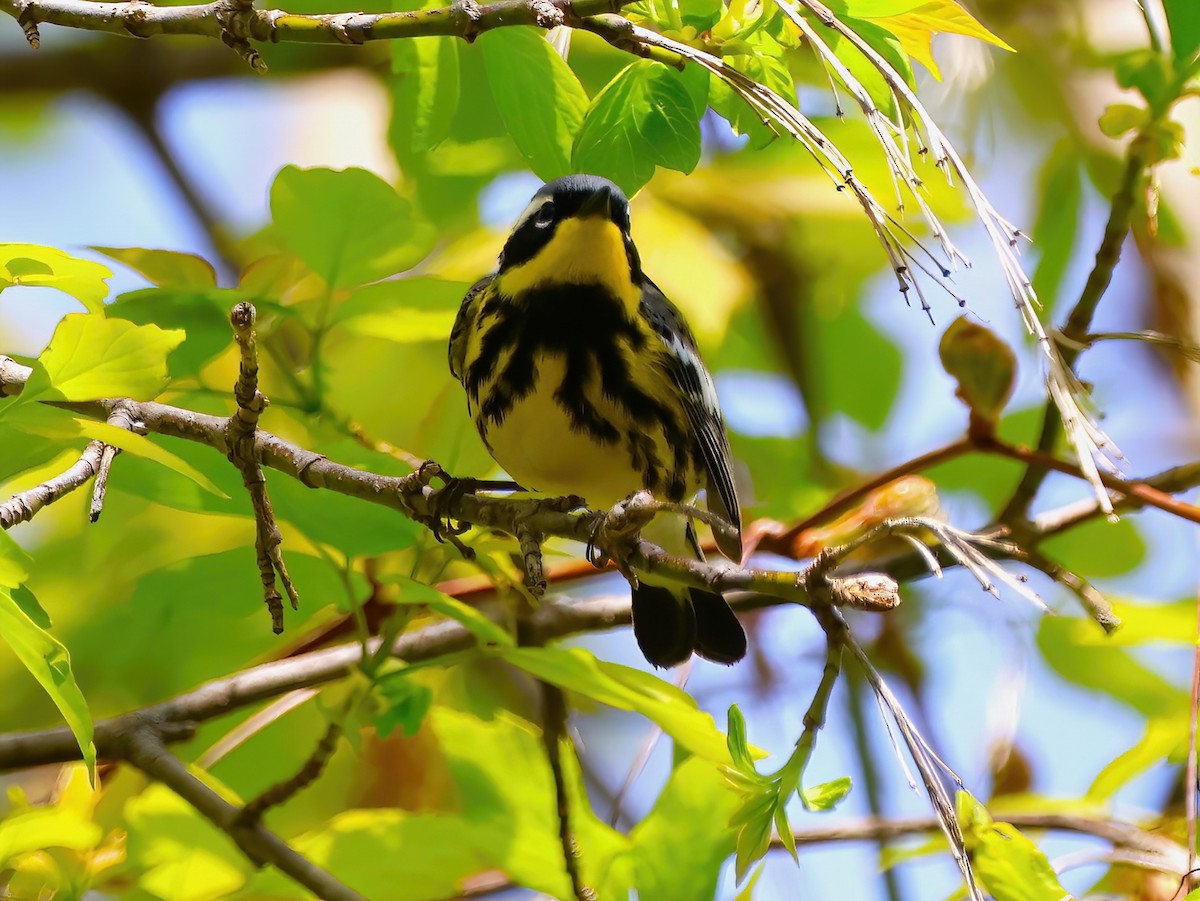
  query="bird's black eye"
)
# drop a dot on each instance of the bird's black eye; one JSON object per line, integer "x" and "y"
{"x": 545, "y": 214}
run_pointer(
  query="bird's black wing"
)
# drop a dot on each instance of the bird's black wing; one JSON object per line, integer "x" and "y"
{"x": 462, "y": 326}
{"x": 699, "y": 397}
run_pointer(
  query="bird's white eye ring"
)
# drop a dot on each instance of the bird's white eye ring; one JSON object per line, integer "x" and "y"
{"x": 545, "y": 214}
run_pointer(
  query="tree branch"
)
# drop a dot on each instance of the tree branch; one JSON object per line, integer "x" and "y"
{"x": 235, "y": 22}
{"x": 145, "y": 750}
{"x": 1079, "y": 320}
{"x": 24, "y": 506}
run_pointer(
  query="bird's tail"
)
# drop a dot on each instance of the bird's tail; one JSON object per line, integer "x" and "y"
{"x": 670, "y": 623}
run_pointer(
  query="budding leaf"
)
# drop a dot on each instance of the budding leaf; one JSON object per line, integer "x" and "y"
{"x": 983, "y": 365}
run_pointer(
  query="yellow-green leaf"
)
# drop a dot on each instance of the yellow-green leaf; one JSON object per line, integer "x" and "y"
{"x": 61, "y": 425}
{"x": 916, "y": 27}
{"x": 46, "y": 267}
{"x": 165, "y": 268}
{"x": 626, "y": 689}
{"x": 91, "y": 357}
{"x": 413, "y": 592}
{"x": 50, "y": 664}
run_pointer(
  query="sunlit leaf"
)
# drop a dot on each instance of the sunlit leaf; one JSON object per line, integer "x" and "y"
{"x": 538, "y": 96}
{"x": 349, "y": 226}
{"x": 179, "y": 853}
{"x": 165, "y": 268}
{"x": 426, "y": 87}
{"x": 50, "y": 664}
{"x": 1072, "y": 650}
{"x": 645, "y": 117}
{"x": 33, "y": 265}
{"x": 14, "y": 562}
{"x": 488, "y": 632}
{"x": 1164, "y": 742}
{"x": 402, "y": 310}
{"x": 626, "y": 689}
{"x": 44, "y": 828}
{"x": 91, "y": 357}
{"x": 62, "y": 425}
{"x": 202, "y": 315}
{"x": 916, "y": 26}
{"x": 826, "y": 795}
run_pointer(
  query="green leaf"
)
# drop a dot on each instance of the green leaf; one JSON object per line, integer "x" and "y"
{"x": 34, "y": 265}
{"x": 165, "y": 268}
{"x": 502, "y": 816}
{"x": 14, "y": 562}
{"x": 753, "y": 842}
{"x": 766, "y": 70}
{"x": 1165, "y": 740}
{"x": 177, "y": 852}
{"x": 826, "y": 795}
{"x": 403, "y": 310}
{"x": 349, "y": 226}
{"x": 91, "y": 357}
{"x": 1099, "y": 549}
{"x": 50, "y": 664}
{"x": 203, "y": 315}
{"x": 41, "y": 828}
{"x": 1119, "y": 118}
{"x": 1183, "y": 18}
{"x": 626, "y": 689}
{"x": 735, "y": 740}
{"x": 62, "y": 425}
{"x": 1056, "y": 226}
{"x": 915, "y": 26}
{"x": 983, "y": 365}
{"x": 1149, "y": 73}
{"x": 681, "y": 845}
{"x": 404, "y": 703}
{"x": 539, "y": 98}
{"x": 886, "y": 45}
{"x": 426, "y": 88}
{"x": 645, "y": 117}
{"x": 1079, "y": 651}
{"x": 470, "y": 618}
{"x": 1009, "y": 865}
{"x": 866, "y": 390}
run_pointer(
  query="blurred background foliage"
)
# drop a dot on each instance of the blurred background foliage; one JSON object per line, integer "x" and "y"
{"x": 346, "y": 166}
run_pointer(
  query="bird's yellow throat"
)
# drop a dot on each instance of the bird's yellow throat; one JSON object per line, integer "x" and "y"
{"x": 584, "y": 251}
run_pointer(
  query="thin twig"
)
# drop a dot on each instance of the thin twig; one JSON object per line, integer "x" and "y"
{"x": 309, "y": 772}
{"x": 146, "y": 751}
{"x": 1191, "y": 787}
{"x": 1080, "y": 319}
{"x": 554, "y": 733}
{"x": 1147, "y": 494}
{"x": 242, "y": 428}
{"x": 24, "y": 506}
{"x": 121, "y": 419}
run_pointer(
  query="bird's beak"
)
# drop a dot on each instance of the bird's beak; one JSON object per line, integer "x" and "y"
{"x": 596, "y": 205}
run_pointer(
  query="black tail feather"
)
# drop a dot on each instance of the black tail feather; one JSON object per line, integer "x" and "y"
{"x": 664, "y": 625}
{"x": 719, "y": 636}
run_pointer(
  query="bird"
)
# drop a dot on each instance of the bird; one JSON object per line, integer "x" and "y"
{"x": 583, "y": 379}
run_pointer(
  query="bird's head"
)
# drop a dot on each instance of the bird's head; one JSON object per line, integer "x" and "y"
{"x": 574, "y": 231}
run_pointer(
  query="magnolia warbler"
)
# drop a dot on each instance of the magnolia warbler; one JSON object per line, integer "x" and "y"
{"x": 582, "y": 378}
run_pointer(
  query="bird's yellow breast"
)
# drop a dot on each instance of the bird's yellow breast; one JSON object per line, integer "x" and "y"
{"x": 538, "y": 445}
